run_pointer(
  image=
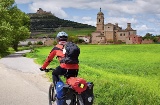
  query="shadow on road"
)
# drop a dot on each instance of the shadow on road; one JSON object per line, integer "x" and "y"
{"x": 18, "y": 54}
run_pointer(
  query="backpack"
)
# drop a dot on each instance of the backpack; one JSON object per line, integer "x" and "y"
{"x": 72, "y": 52}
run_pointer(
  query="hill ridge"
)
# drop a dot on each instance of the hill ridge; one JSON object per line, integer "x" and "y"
{"x": 48, "y": 23}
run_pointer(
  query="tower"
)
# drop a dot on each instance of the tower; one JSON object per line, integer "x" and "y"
{"x": 100, "y": 21}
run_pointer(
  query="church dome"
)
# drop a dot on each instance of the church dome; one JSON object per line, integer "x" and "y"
{"x": 100, "y": 13}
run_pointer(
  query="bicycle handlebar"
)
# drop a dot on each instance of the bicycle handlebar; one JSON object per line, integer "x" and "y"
{"x": 49, "y": 69}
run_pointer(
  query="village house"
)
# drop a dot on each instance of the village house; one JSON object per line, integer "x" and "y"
{"x": 112, "y": 33}
{"x": 85, "y": 38}
{"x": 133, "y": 39}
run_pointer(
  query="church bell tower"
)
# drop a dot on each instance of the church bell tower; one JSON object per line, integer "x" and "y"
{"x": 100, "y": 21}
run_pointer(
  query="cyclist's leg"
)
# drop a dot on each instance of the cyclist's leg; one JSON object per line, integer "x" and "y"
{"x": 55, "y": 74}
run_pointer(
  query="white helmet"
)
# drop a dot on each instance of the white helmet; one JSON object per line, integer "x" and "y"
{"x": 62, "y": 36}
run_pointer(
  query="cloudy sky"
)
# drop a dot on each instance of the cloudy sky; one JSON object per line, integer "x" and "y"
{"x": 144, "y": 15}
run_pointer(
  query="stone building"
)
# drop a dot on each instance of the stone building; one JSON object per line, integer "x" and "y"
{"x": 133, "y": 39}
{"x": 40, "y": 11}
{"x": 112, "y": 33}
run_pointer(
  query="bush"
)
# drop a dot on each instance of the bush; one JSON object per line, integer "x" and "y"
{"x": 39, "y": 43}
{"x": 29, "y": 43}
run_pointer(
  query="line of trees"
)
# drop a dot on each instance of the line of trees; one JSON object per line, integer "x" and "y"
{"x": 151, "y": 37}
{"x": 14, "y": 25}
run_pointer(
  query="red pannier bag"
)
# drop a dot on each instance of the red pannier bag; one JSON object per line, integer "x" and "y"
{"x": 78, "y": 84}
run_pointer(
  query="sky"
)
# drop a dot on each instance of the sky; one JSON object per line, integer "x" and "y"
{"x": 144, "y": 15}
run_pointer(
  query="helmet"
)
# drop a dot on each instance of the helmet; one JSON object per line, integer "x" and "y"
{"x": 62, "y": 36}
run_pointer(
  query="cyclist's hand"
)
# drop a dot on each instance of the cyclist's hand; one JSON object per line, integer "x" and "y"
{"x": 41, "y": 69}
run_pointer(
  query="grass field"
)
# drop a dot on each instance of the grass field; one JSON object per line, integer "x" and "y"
{"x": 122, "y": 74}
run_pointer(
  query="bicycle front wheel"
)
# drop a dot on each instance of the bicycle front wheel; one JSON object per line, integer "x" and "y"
{"x": 51, "y": 94}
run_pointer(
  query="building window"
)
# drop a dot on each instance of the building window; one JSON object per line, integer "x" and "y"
{"x": 108, "y": 27}
{"x": 129, "y": 38}
{"x": 124, "y": 34}
{"x": 120, "y": 34}
{"x": 99, "y": 20}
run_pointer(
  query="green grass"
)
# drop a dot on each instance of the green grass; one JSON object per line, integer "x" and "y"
{"x": 122, "y": 74}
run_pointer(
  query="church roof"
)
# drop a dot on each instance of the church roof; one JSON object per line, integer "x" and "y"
{"x": 100, "y": 13}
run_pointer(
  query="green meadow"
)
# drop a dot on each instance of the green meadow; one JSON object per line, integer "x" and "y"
{"x": 122, "y": 74}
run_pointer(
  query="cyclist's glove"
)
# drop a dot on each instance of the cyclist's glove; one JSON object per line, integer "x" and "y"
{"x": 41, "y": 69}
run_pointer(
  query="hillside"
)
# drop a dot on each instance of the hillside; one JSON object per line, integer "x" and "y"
{"x": 48, "y": 24}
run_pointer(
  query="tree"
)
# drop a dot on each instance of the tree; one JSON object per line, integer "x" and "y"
{"x": 148, "y": 36}
{"x": 14, "y": 25}
{"x": 5, "y": 27}
{"x": 20, "y": 22}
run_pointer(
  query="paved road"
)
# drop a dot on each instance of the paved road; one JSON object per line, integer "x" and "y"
{"x": 21, "y": 82}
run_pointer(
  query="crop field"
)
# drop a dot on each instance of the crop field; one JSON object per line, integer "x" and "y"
{"x": 122, "y": 74}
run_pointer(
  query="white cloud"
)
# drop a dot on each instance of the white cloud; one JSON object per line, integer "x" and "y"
{"x": 86, "y": 18}
{"x": 59, "y": 12}
{"x": 122, "y": 22}
{"x": 22, "y": 1}
{"x": 76, "y": 18}
{"x": 26, "y": 1}
{"x": 93, "y": 23}
{"x": 124, "y": 6}
{"x": 143, "y": 29}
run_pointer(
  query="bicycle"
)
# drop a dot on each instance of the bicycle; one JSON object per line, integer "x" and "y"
{"x": 71, "y": 95}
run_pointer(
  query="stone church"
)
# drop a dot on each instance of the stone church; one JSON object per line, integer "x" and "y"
{"x": 112, "y": 33}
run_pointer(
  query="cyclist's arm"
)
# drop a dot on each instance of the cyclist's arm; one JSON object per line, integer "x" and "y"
{"x": 49, "y": 58}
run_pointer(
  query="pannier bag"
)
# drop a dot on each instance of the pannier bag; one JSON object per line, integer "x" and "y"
{"x": 65, "y": 94}
{"x": 88, "y": 95}
{"x": 59, "y": 91}
{"x": 78, "y": 84}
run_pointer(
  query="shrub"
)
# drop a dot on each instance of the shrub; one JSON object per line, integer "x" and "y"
{"x": 39, "y": 43}
{"x": 29, "y": 43}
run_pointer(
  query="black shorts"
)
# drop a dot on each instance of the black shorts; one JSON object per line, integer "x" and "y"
{"x": 66, "y": 72}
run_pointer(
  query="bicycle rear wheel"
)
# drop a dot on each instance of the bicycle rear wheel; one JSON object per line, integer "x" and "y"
{"x": 52, "y": 95}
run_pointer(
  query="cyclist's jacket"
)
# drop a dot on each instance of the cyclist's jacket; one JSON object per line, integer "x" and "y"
{"x": 58, "y": 51}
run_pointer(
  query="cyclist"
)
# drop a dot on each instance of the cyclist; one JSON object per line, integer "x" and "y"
{"x": 69, "y": 70}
